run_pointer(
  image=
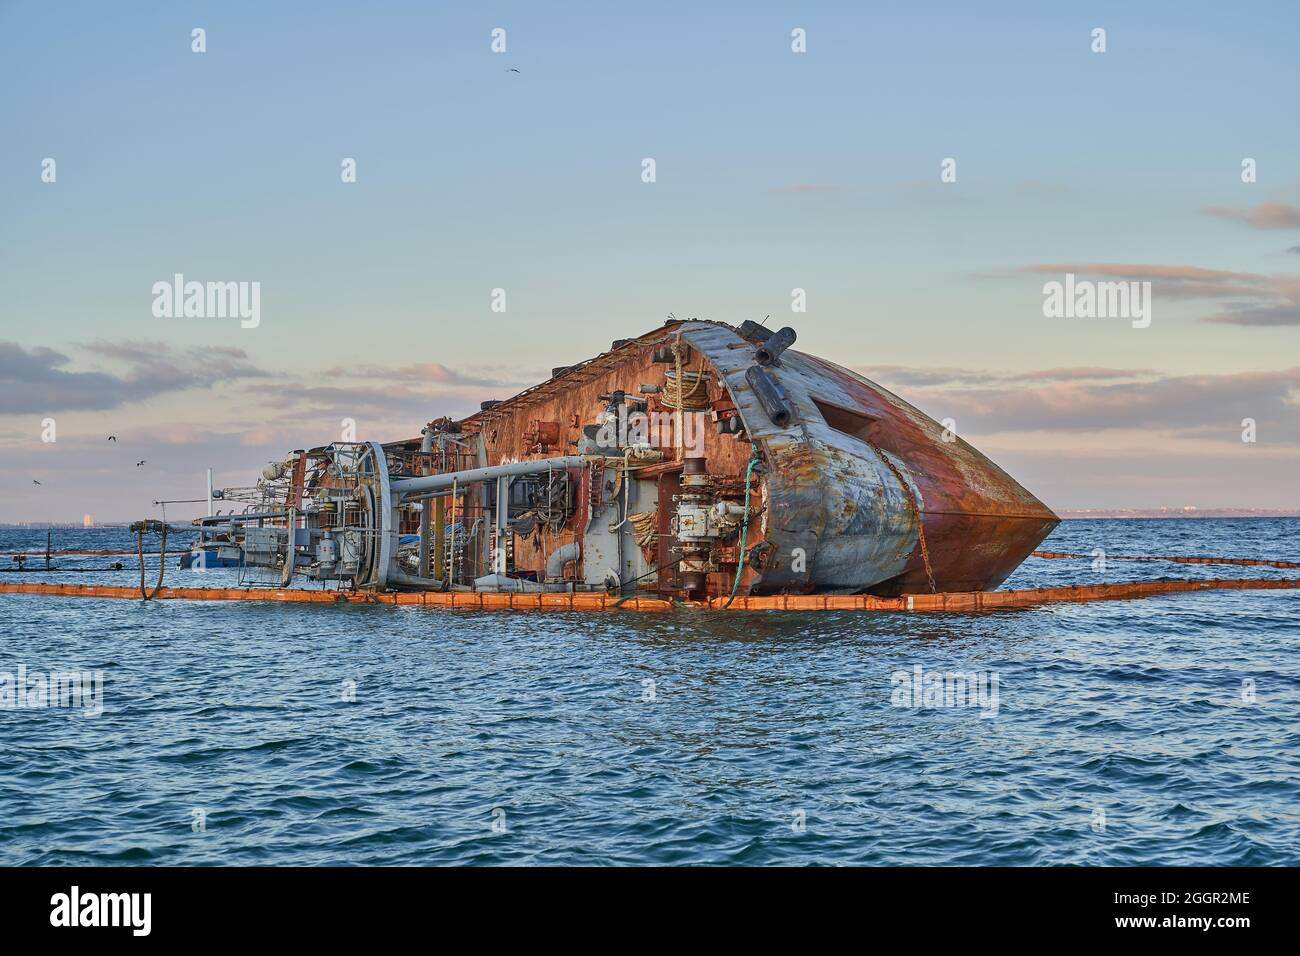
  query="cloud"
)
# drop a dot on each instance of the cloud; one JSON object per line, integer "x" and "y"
{"x": 434, "y": 373}
{"x": 1267, "y": 215}
{"x": 810, "y": 188}
{"x": 1083, "y": 373}
{"x": 1187, "y": 282}
{"x": 411, "y": 393}
{"x": 932, "y": 192}
{"x": 413, "y": 405}
{"x": 906, "y": 375}
{"x": 1254, "y": 299}
{"x": 43, "y": 379}
{"x": 1038, "y": 189}
{"x": 1265, "y": 316}
{"x": 87, "y": 474}
{"x": 1188, "y": 406}
{"x": 1092, "y": 477}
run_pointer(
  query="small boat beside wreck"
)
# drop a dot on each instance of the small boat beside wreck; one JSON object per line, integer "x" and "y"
{"x": 696, "y": 461}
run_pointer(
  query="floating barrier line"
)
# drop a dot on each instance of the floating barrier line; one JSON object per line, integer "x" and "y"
{"x": 58, "y": 570}
{"x": 957, "y": 601}
{"x": 1180, "y": 559}
{"x": 55, "y": 554}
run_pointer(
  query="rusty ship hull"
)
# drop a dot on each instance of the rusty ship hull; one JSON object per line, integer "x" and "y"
{"x": 695, "y": 462}
{"x": 849, "y": 484}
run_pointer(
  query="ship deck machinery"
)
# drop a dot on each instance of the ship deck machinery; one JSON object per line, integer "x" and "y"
{"x": 698, "y": 460}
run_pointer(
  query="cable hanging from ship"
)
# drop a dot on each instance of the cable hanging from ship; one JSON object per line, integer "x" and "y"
{"x": 915, "y": 509}
{"x": 140, "y": 529}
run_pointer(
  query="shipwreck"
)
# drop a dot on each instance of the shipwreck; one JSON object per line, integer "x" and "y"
{"x": 698, "y": 461}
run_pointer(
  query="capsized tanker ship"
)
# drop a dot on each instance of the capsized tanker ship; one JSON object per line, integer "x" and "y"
{"x": 696, "y": 461}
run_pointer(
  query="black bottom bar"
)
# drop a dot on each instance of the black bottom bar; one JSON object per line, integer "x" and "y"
{"x": 336, "y": 906}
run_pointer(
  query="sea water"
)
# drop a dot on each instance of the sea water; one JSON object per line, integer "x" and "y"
{"x": 1159, "y": 731}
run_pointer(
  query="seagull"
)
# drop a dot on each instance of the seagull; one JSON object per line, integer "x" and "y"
{"x": 512, "y": 70}
{"x": 35, "y": 482}
{"x": 112, "y": 438}
{"x": 139, "y": 463}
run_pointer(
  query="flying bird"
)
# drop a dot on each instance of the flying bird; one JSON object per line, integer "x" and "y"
{"x": 139, "y": 463}
{"x": 35, "y": 482}
{"x": 512, "y": 70}
{"x": 112, "y": 438}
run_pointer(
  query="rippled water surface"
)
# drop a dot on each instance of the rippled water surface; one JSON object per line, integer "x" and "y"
{"x": 1125, "y": 732}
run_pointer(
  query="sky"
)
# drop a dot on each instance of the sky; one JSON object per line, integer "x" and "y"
{"x": 774, "y": 171}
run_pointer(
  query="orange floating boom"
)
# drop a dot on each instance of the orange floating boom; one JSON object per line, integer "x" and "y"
{"x": 957, "y": 601}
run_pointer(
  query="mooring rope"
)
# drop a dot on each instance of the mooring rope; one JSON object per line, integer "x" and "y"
{"x": 676, "y": 394}
{"x": 645, "y": 526}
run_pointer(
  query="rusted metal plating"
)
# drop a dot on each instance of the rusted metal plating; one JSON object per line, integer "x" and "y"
{"x": 854, "y": 476}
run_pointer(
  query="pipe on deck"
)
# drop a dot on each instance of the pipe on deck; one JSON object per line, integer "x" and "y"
{"x": 402, "y": 579}
{"x": 406, "y": 486}
{"x": 426, "y": 448}
{"x": 770, "y": 395}
{"x": 770, "y": 351}
{"x": 559, "y": 558}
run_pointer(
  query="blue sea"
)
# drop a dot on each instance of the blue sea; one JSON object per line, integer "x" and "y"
{"x": 1160, "y": 731}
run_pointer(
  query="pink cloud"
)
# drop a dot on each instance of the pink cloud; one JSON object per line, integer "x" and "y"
{"x": 1267, "y": 215}
{"x": 1253, "y": 299}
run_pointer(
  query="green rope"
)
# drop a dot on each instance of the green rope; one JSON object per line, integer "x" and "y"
{"x": 744, "y": 527}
